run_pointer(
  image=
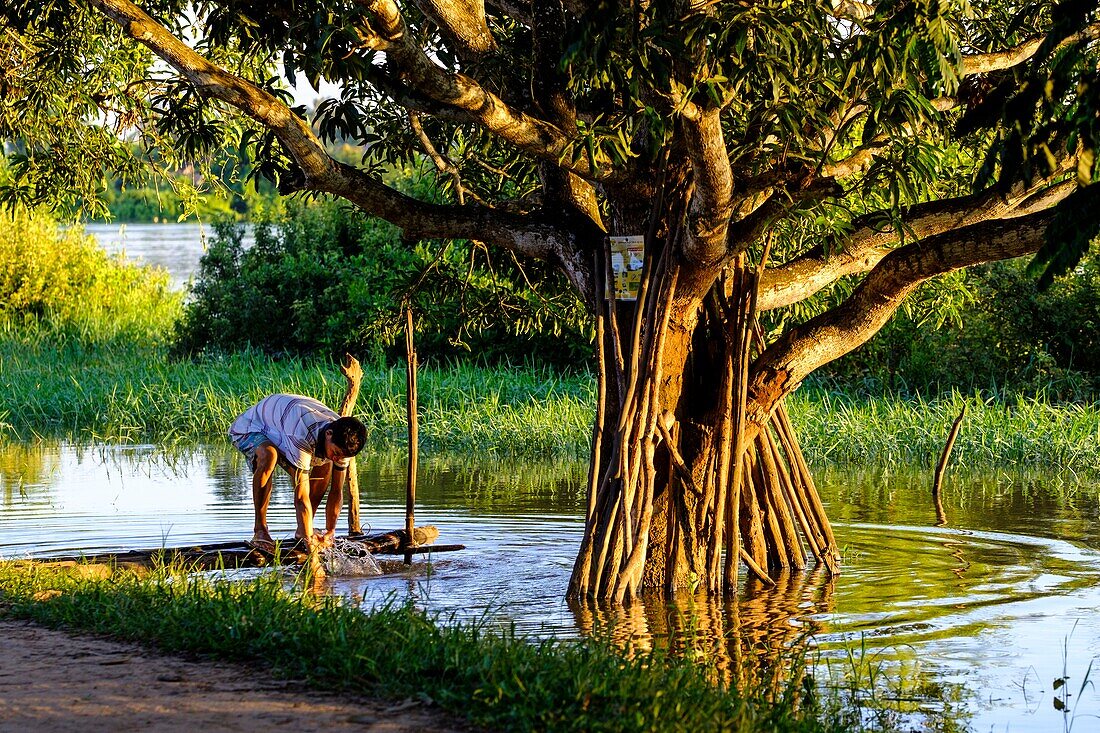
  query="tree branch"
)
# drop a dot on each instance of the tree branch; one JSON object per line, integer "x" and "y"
{"x": 476, "y": 104}
{"x": 999, "y": 60}
{"x": 462, "y": 22}
{"x": 528, "y": 234}
{"x": 712, "y": 200}
{"x": 292, "y": 131}
{"x": 852, "y": 10}
{"x": 863, "y": 156}
{"x": 868, "y": 245}
{"x": 971, "y": 65}
{"x": 785, "y": 363}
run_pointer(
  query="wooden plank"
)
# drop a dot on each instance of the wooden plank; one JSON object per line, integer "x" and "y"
{"x": 421, "y": 550}
{"x": 240, "y": 554}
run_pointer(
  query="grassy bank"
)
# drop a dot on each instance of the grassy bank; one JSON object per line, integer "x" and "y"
{"x": 1007, "y": 430}
{"x": 55, "y": 385}
{"x": 486, "y": 675}
{"x": 119, "y": 390}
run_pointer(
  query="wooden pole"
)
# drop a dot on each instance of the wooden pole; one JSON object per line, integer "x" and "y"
{"x": 941, "y": 468}
{"x": 410, "y": 486}
{"x": 352, "y": 372}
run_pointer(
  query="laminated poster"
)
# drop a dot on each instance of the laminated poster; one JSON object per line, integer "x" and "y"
{"x": 627, "y": 254}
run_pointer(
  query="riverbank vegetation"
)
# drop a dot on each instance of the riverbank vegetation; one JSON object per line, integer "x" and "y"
{"x": 87, "y": 343}
{"x": 479, "y": 671}
{"x": 120, "y": 390}
{"x": 341, "y": 281}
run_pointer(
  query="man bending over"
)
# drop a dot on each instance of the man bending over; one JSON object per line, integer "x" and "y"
{"x": 313, "y": 444}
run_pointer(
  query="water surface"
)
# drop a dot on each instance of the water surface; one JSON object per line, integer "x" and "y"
{"x": 968, "y": 625}
{"x": 177, "y": 248}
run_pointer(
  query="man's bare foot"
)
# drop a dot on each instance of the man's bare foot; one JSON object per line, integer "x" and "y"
{"x": 262, "y": 539}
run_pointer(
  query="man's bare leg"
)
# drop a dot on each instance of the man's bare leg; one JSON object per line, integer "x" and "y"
{"x": 267, "y": 458}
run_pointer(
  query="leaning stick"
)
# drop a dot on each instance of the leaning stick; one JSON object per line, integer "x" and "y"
{"x": 812, "y": 528}
{"x": 758, "y": 571}
{"x": 793, "y": 490}
{"x": 774, "y": 534}
{"x": 818, "y": 511}
{"x": 613, "y": 325}
{"x": 752, "y": 527}
{"x": 601, "y": 396}
{"x": 722, "y": 468}
{"x": 649, "y": 421}
{"x": 941, "y": 468}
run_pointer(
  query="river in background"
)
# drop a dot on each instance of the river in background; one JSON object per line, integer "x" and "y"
{"x": 175, "y": 247}
{"x": 963, "y": 626}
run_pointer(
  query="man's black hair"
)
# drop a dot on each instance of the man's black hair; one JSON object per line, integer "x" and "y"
{"x": 348, "y": 434}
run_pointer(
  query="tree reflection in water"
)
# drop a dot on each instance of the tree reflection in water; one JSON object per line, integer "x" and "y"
{"x": 26, "y": 470}
{"x": 759, "y": 638}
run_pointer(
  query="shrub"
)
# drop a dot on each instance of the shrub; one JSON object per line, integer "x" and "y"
{"x": 322, "y": 277}
{"x": 61, "y": 278}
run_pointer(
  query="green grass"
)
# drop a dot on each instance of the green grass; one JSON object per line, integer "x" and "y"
{"x": 121, "y": 390}
{"x": 54, "y": 384}
{"x": 1006, "y": 431}
{"x": 483, "y": 673}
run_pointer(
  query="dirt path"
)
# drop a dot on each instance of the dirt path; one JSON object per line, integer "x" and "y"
{"x": 57, "y": 682}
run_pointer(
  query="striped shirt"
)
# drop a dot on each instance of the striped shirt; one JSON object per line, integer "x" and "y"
{"x": 292, "y": 423}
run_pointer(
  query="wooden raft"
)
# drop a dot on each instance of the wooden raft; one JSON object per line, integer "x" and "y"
{"x": 243, "y": 555}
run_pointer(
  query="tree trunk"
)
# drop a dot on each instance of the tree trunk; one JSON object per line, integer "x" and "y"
{"x": 682, "y": 486}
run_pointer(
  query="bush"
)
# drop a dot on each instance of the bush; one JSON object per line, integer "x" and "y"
{"x": 323, "y": 277}
{"x": 61, "y": 278}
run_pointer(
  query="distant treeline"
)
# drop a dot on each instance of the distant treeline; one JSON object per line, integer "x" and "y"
{"x": 161, "y": 202}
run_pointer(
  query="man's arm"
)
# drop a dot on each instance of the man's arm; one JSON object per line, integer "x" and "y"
{"x": 303, "y": 509}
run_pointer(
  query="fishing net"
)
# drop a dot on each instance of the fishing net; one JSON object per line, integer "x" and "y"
{"x": 349, "y": 559}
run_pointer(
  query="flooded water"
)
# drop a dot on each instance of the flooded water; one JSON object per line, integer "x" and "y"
{"x": 965, "y": 626}
{"x": 175, "y": 247}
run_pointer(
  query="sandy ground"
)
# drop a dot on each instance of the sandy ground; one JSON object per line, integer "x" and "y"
{"x": 54, "y": 681}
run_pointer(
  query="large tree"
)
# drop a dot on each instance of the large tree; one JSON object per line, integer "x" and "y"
{"x": 762, "y": 151}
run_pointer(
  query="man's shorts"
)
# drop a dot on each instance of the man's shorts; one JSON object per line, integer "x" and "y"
{"x": 248, "y": 444}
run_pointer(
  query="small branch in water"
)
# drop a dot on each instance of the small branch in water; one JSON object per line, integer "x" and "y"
{"x": 937, "y": 482}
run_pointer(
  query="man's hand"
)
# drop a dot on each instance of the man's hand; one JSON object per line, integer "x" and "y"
{"x": 351, "y": 370}
{"x": 312, "y": 541}
{"x": 328, "y": 539}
